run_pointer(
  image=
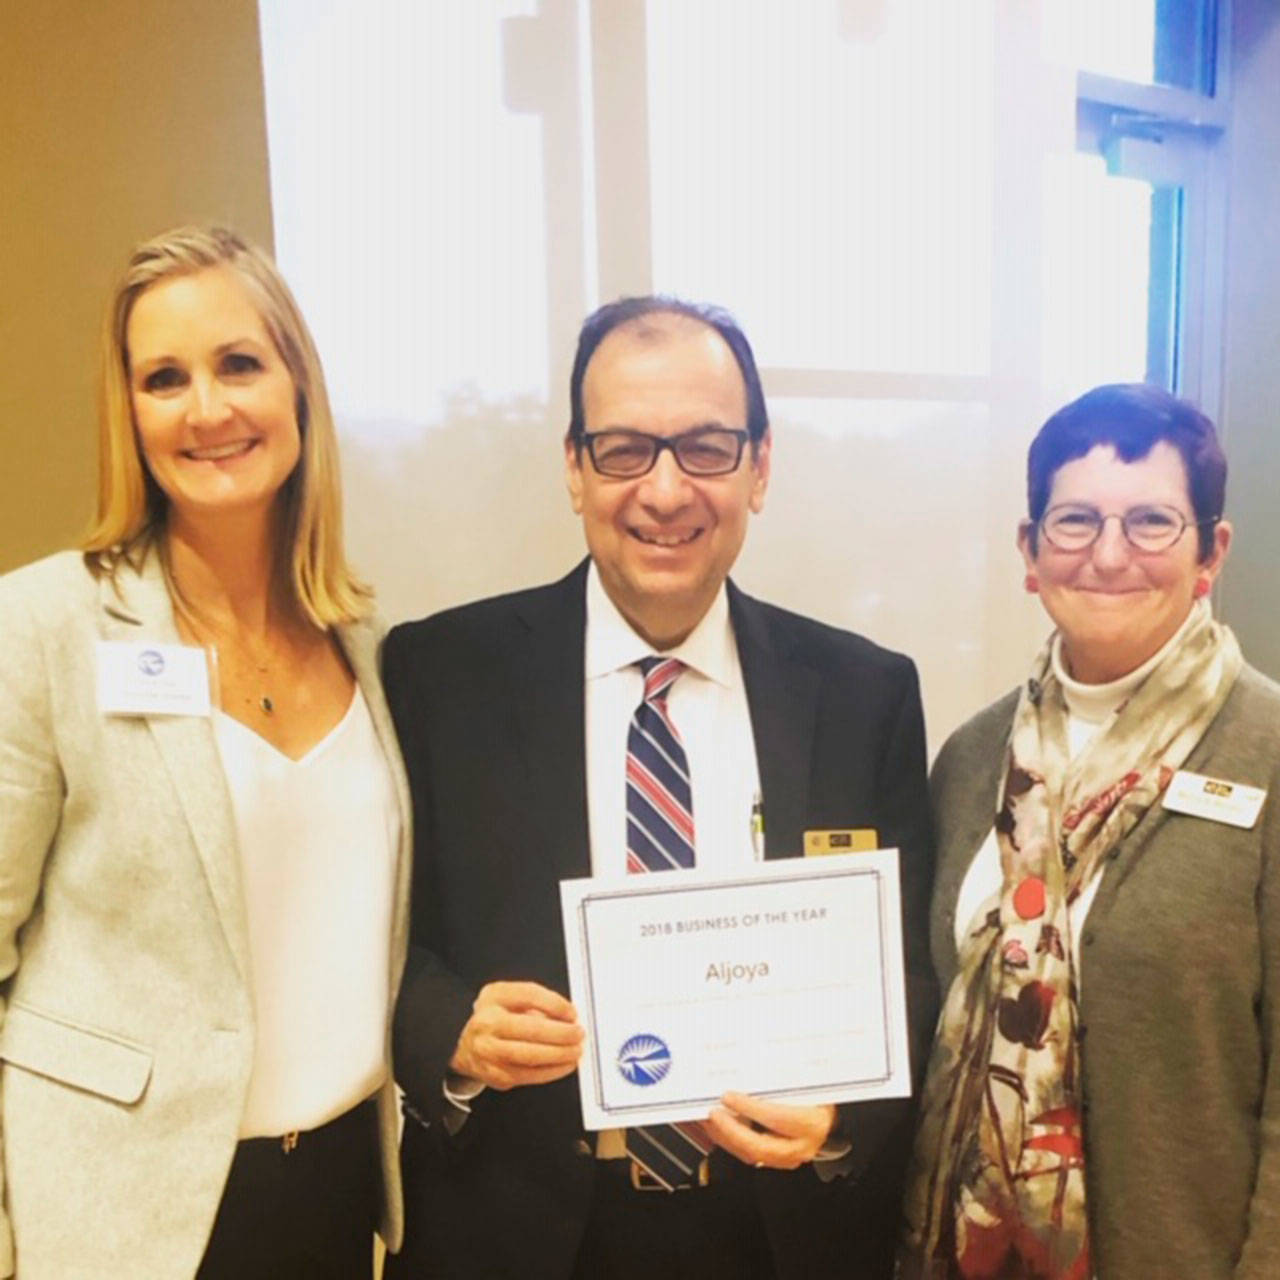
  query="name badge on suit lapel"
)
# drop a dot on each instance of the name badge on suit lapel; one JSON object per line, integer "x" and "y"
{"x": 142, "y": 678}
{"x": 1213, "y": 798}
{"x": 853, "y": 840}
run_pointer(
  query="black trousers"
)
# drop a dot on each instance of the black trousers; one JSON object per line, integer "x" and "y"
{"x": 307, "y": 1213}
{"x": 705, "y": 1233}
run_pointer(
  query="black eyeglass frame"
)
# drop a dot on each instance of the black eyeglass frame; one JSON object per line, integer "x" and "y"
{"x": 658, "y": 443}
{"x": 1184, "y": 524}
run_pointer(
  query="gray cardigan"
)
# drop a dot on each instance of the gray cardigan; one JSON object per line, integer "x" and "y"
{"x": 1180, "y": 973}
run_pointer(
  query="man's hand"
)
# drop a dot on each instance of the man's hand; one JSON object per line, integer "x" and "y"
{"x": 788, "y": 1137}
{"x": 518, "y": 1033}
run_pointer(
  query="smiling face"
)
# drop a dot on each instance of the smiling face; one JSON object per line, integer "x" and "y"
{"x": 213, "y": 403}
{"x": 1116, "y": 606}
{"x": 664, "y": 542}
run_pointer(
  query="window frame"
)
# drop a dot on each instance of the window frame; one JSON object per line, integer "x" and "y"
{"x": 1175, "y": 138}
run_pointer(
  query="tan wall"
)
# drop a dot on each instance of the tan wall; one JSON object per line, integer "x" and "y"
{"x": 118, "y": 118}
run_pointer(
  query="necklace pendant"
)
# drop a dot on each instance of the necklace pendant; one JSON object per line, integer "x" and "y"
{"x": 266, "y": 705}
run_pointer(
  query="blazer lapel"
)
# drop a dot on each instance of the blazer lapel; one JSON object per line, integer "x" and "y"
{"x": 360, "y": 645}
{"x": 782, "y": 695}
{"x": 549, "y": 707}
{"x": 138, "y": 608}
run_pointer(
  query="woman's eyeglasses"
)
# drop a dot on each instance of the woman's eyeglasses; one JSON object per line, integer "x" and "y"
{"x": 1075, "y": 526}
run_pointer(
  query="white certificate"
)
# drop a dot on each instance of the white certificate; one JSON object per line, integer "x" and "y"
{"x": 784, "y": 980}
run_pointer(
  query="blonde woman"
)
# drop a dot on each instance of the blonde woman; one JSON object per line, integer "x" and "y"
{"x": 203, "y": 820}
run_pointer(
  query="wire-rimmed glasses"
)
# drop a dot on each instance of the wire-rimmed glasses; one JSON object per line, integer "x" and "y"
{"x": 1076, "y": 526}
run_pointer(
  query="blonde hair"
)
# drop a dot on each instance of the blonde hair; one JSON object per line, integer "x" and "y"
{"x": 131, "y": 506}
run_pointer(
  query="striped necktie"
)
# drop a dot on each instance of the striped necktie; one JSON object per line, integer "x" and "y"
{"x": 659, "y": 838}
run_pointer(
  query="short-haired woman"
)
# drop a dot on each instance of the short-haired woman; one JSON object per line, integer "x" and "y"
{"x": 1103, "y": 1097}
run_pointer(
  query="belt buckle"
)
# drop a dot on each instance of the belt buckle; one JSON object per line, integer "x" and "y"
{"x": 643, "y": 1180}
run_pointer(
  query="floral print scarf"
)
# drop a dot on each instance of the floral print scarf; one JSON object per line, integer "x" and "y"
{"x": 997, "y": 1187}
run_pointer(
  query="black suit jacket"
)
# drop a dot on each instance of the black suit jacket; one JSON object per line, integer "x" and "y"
{"x": 489, "y": 703}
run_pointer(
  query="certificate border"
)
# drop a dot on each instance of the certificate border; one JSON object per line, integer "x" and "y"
{"x": 809, "y": 877}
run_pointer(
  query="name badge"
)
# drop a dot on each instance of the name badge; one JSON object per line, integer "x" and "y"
{"x": 1212, "y": 798}
{"x": 857, "y": 840}
{"x": 149, "y": 679}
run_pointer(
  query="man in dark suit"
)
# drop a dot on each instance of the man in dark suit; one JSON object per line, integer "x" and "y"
{"x": 517, "y": 717}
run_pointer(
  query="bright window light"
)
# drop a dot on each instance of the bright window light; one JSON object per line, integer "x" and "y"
{"x": 825, "y": 170}
{"x": 1168, "y": 42}
{"x": 1112, "y": 37}
{"x": 408, "y": 203}
{"x": 1096, "y": 269}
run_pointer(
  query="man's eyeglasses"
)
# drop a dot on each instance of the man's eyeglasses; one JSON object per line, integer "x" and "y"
{"x": 1075, "y": 526}
{"x": 705, "y": 451}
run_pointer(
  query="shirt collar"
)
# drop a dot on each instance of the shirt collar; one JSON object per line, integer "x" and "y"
{"x": 612, "y": 644}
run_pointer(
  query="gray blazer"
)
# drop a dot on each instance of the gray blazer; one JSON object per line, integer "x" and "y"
{"x": 127, "y": 1040}
{"x": 1180, "y": 975}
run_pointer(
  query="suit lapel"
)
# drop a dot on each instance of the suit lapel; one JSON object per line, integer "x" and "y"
{"x": 782, "y": 695}
{"x": 138, "y": 609}
{"x": 547, "y": 673}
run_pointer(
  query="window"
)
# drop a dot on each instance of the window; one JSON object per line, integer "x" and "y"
{"x": 1139, "y": 214}
{"x": 1167, "y": 42}
{"x": 933, "y": 224}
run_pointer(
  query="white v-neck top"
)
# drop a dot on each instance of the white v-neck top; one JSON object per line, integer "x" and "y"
{"x": 318, "y": 839}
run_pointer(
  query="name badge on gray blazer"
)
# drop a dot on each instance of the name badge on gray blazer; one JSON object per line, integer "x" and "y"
{"x": 147, "y": 679}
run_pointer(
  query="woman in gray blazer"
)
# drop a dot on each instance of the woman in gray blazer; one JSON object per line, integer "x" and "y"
{"x": 1103, "y": 1097}
{"x": 203, "y": 821}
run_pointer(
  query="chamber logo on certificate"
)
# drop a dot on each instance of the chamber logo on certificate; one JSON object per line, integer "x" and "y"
{"x": 783, "y": 980}
{"x": 644, "y": 1060}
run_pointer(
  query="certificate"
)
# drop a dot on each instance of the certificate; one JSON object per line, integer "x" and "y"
{"x": 784, "y": 980}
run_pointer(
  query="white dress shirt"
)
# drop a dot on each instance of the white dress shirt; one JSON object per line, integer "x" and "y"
{"x": 708, "y": 706}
